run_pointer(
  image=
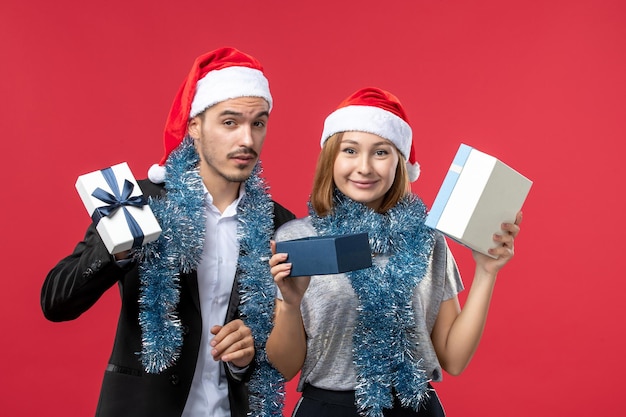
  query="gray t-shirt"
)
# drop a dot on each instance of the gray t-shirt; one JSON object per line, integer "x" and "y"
{"x": 329, "y": 311}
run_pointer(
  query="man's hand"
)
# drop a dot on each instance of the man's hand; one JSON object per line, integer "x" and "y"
{"x": 233, "y": 343}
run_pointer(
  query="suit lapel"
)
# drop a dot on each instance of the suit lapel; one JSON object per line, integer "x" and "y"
{"x": 233, "y": 304}
{"x": 191, "y": 280}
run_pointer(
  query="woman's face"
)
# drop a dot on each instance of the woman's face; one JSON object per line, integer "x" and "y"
{"x": 365, "y": 167}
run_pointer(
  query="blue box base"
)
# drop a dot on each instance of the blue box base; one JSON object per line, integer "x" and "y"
{"x": 323, "y": 255}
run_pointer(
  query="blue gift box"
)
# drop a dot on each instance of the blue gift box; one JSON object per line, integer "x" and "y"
{"x": 321, "y": 255}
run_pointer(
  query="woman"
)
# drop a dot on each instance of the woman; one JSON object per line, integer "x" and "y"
{"x": 369, "y": 342}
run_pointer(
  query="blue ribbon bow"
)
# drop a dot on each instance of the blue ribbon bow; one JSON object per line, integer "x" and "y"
{"x": 115, "y": 201}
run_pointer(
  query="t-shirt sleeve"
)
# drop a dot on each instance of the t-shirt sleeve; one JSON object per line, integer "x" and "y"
{"x": 453, "y": 283}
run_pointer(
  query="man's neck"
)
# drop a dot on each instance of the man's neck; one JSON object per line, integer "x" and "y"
{"x": 223, "y": 193}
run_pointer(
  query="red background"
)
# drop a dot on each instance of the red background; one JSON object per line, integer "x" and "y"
{"x": 539, "y": 84}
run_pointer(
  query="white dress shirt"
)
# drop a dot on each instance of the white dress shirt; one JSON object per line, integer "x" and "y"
{"x": 208, "y": 395}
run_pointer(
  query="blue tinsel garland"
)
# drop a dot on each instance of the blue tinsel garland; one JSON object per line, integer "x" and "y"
{"x": 179, "y": 248}
{"x": 258, "y": 293}
{"x": 384, "y": 337}
{"x": 182, "y": 217}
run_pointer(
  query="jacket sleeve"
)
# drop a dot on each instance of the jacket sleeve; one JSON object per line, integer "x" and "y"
{"x": 238, "y": 377}
{"x": 281, "y": 215}
{"x": 79, "y": 280}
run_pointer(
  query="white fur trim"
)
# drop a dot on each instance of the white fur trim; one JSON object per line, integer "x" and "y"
{"x": 156, "y": 174}
{"x": 413, "y": 171}
{"x": 227, "y": 83}
{"x": 370, "y": 119}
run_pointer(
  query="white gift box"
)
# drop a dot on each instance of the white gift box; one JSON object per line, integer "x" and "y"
{"x": 478, "y": 194}
{"x": 115, "y": 190}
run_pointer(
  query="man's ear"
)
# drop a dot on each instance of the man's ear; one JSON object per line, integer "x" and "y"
{"x": 194, "y": 126}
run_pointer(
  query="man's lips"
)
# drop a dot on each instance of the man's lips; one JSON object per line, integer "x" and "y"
{"x": 243, "y": 157}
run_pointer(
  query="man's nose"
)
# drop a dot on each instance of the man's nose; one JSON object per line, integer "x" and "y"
{"x": 245, "y": 137}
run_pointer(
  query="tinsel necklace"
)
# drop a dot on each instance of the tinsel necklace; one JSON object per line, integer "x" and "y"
{"x": 182, "y": 217}
{"x": 384, "y": 338}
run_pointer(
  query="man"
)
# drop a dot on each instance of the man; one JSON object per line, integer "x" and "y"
{"x": 181, "y": 348}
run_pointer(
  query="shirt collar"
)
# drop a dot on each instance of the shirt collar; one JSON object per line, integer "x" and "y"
{"x": 231, "y": 210}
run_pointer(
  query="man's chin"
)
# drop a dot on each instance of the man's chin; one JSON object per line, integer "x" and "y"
{"x": 239, "y": 176}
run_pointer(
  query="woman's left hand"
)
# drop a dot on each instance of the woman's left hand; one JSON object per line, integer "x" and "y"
{"x": 505, "y": 249}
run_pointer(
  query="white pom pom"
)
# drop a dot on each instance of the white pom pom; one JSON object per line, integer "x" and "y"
{"x": 156, "y": 174}
{"x": 413, "y": 170}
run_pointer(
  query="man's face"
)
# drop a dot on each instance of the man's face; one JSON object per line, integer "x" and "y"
{"x": 229, "y": 138}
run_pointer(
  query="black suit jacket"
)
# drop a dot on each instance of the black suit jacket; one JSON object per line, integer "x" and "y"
{"x": 80, "y": 279}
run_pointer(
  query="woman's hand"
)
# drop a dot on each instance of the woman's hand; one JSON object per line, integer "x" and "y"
{"x": 505, "y": 249}
{"x": 291, "y": 288}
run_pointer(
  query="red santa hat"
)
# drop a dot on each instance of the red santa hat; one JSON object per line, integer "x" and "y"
{"x": 376, "y": 111}
{"x": 215, "y": 76}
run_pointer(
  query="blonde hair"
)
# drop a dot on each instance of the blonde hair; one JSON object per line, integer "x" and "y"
{"x": 324, "y": 184}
